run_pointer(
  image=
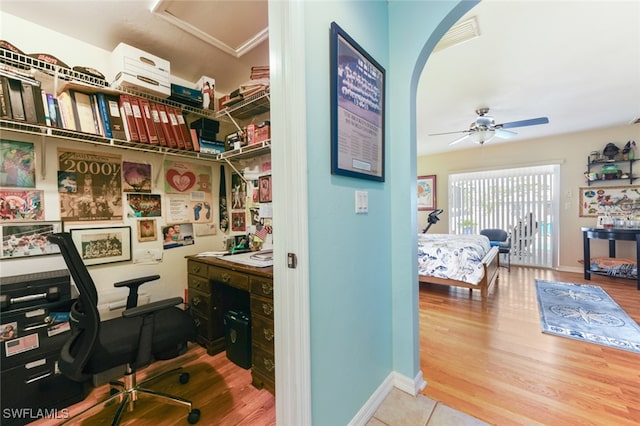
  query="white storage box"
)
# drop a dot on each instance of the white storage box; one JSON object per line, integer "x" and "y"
{"x": 136, "y": 69}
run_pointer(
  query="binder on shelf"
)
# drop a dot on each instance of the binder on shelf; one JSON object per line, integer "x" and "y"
{"x": 54, "y": 111}
{"x": 137, "y": 115}
{"x": 145, "y": 110}
{"x": 184, "y": 130}
{"x": 157, "y": 123}
{"x": 97, "y": 118}
{"x": 5, "y": 100}
{"x": 166, "y": 126}
{"x": 175, "y": 128}
{"x": 128, "y": 119}
{"x": 115, "y": 117}
{"x": 45, "y": 108}
{"x": 15, "y": 98}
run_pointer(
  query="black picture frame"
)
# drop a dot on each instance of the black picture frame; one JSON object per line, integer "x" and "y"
{"x": 357, "y": 110}
{"x": 103, "y": 245}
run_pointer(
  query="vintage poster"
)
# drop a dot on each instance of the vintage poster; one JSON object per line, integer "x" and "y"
{"x": 17, "y": 164}
{"x": 98, "y": 196}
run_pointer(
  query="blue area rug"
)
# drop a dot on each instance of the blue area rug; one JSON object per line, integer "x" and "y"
{"x": 587, "y": 313}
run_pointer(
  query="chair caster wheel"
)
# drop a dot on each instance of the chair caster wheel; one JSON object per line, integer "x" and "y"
{"x": 194, "y": 416}
{"x": 184, "y": 378}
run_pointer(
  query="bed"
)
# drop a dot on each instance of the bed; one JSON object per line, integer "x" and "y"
{"x": 467, "y": 260}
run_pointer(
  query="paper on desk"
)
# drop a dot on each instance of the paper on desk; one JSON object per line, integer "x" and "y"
{"x": 212, "y": 253}
{"x": 249, "y": 259}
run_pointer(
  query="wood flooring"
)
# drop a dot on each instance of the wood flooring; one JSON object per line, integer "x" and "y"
{"x": 489, "y": 358}
{"x": 220, "y": 389}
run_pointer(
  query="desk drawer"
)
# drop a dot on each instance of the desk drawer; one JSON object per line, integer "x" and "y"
{"x": 262, "y": 287}
{"x": 201, "y": 303}
{"x": 198, "y": 268}
{"x": 262, "y": 332}
{"x": 230, "y": 278}
{"x": 261, "y": 306}
{"x": 263, "y": 363}
{"x": 199, "y": 283}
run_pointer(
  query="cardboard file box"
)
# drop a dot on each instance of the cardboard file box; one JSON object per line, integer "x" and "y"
{"x": 237, "y": 326}
{"x": 138, "y": 70}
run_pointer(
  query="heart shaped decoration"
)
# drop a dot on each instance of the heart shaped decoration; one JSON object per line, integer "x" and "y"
{"x": 181, "y": 181}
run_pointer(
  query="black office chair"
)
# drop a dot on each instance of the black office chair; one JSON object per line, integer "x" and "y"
{"x": 501, "y": 239}
{"x": 156, "y": 331}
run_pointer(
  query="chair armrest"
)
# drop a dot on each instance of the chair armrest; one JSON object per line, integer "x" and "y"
{"x": 133, "y": 284}
{"x": 151, "y": 307}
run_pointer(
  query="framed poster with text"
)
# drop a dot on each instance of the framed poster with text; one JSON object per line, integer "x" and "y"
{"x": 357, "y": 109}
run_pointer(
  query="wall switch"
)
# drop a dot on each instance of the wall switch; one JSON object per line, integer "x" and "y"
{"x": 362, "y": 202}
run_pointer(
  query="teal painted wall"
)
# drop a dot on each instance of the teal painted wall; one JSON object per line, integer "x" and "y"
{"x": 350, "y": 266}
{"x": 363, "y": 277}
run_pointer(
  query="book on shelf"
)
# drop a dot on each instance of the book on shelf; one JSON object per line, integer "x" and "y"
{"x": 166, "y": 126}
{"x": 145, "y": 109}
{"x": 97, "y": 117}
{"x": 157, "y": 123}
{"x": 103, "y": 108}
{"x": 32, "y": 103}
{"x": 127, "y": 118}
{"x": 66, "y": 111}
{"x": 82, "y": 111}
{"x": 15, "y": 99}
{"x": 45, "y": 108}
{"x": 137, "y": 115}
{"x": 54, "y": 111}
{"x": 115, "y": 117}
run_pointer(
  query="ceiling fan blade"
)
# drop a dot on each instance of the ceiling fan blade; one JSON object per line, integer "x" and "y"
{"x": 448, "y": 133}
{"x": 460, "y": 139}
{"x": 505, "y": 134}
{"x": 522, "y": 123}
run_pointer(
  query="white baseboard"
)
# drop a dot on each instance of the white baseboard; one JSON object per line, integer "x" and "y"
{"x": 394, "y": 379}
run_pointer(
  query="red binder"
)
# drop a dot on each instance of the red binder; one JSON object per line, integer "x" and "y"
{"x": 137, "y": 115}
{"x": 145, "y": 108}
{"x": 155, "y": 115}
{"x": 127, "y": 116}
{"x": 184, "y": 130}
{"x": 166, "y": 126}
{"x": 171, "y": 111}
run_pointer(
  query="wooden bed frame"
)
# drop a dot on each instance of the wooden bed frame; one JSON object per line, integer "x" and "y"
{"x": 491, "y": 263}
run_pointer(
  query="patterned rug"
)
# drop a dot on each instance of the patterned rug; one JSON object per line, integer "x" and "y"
{"x": 587, "y": 313}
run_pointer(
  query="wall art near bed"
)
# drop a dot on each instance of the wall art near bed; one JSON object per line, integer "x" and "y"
{"x": 614, "y": 200}
{"x": 427, "y": 192}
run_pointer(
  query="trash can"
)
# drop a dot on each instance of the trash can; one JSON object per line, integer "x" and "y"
{"x": 237, "y": 327}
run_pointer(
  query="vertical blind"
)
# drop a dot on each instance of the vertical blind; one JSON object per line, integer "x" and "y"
{"x": 521, "y": 201}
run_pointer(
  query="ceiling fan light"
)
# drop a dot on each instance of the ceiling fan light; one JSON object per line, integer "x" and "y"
{"x": 481, "y": 136}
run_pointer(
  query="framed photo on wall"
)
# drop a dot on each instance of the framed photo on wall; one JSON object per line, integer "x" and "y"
{"x": 357, "y": 109}
{"x": 427, "y": 192}
{"x": 28, "y": 239}
{"x": 103, "y": 245}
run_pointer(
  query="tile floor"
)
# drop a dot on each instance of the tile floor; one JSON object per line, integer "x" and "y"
{"x": 401, "y": 409}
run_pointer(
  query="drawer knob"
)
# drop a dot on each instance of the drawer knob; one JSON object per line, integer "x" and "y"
{"x": 269, "y": 364}
{"x": 195, "y": 301}
{"x": 196, "y": 269}
{"x": 267, "y": 288}
{"x": 197, "y": 322}
{"x": 268, "y": 334}
{"x": 267, "y": 308}
{"x": 226, "y": 277}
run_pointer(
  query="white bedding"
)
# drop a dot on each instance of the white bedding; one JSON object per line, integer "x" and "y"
{"x": 457, "y": 257}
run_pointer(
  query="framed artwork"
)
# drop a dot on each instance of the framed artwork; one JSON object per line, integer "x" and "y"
{"x": 103, "y": 245}
{"x": 614, "y": 200}
{"x": 21, "y": 205}
{"x": 238, "y": 221}
{"x": 265, "y": 189}
{"x": 147, "y": 230}
{"x": 357, "y": 109}
{"x": 28, "y": 239}
{"x": 17, "y": 164}
{"x": 427, "y": 192}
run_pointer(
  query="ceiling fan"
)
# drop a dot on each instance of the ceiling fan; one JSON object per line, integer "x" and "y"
{"x": 485, "y": 128}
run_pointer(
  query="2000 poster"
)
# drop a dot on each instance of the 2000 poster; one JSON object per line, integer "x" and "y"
{"x": 98, "y": 195}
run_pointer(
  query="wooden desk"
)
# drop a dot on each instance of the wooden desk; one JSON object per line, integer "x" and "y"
{"x": 216, "y": 285}
{"x": 613, "y": 235}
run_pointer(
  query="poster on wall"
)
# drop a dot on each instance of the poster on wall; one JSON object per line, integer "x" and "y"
{"x": 21, "y": 205}
{"x": 136, "y": 177}
{"x": 613, "y": 200}
{"x": 177, "y": 235}
{"x": 17, "y": 164}
{"x": 188, "y": 188}
{"x": 28, "y": 239}
{"x": 98, "y": 195}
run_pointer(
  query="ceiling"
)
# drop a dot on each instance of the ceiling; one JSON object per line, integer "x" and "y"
{"x": 575, "y": 62}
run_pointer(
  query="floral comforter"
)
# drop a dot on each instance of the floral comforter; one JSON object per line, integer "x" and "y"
{"x": 456, "y": 257}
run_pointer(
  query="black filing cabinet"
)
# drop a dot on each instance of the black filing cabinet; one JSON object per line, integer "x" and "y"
{"x": 34, "y": 326}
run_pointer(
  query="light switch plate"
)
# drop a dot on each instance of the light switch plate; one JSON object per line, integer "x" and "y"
{"x": 362, "y": 202}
